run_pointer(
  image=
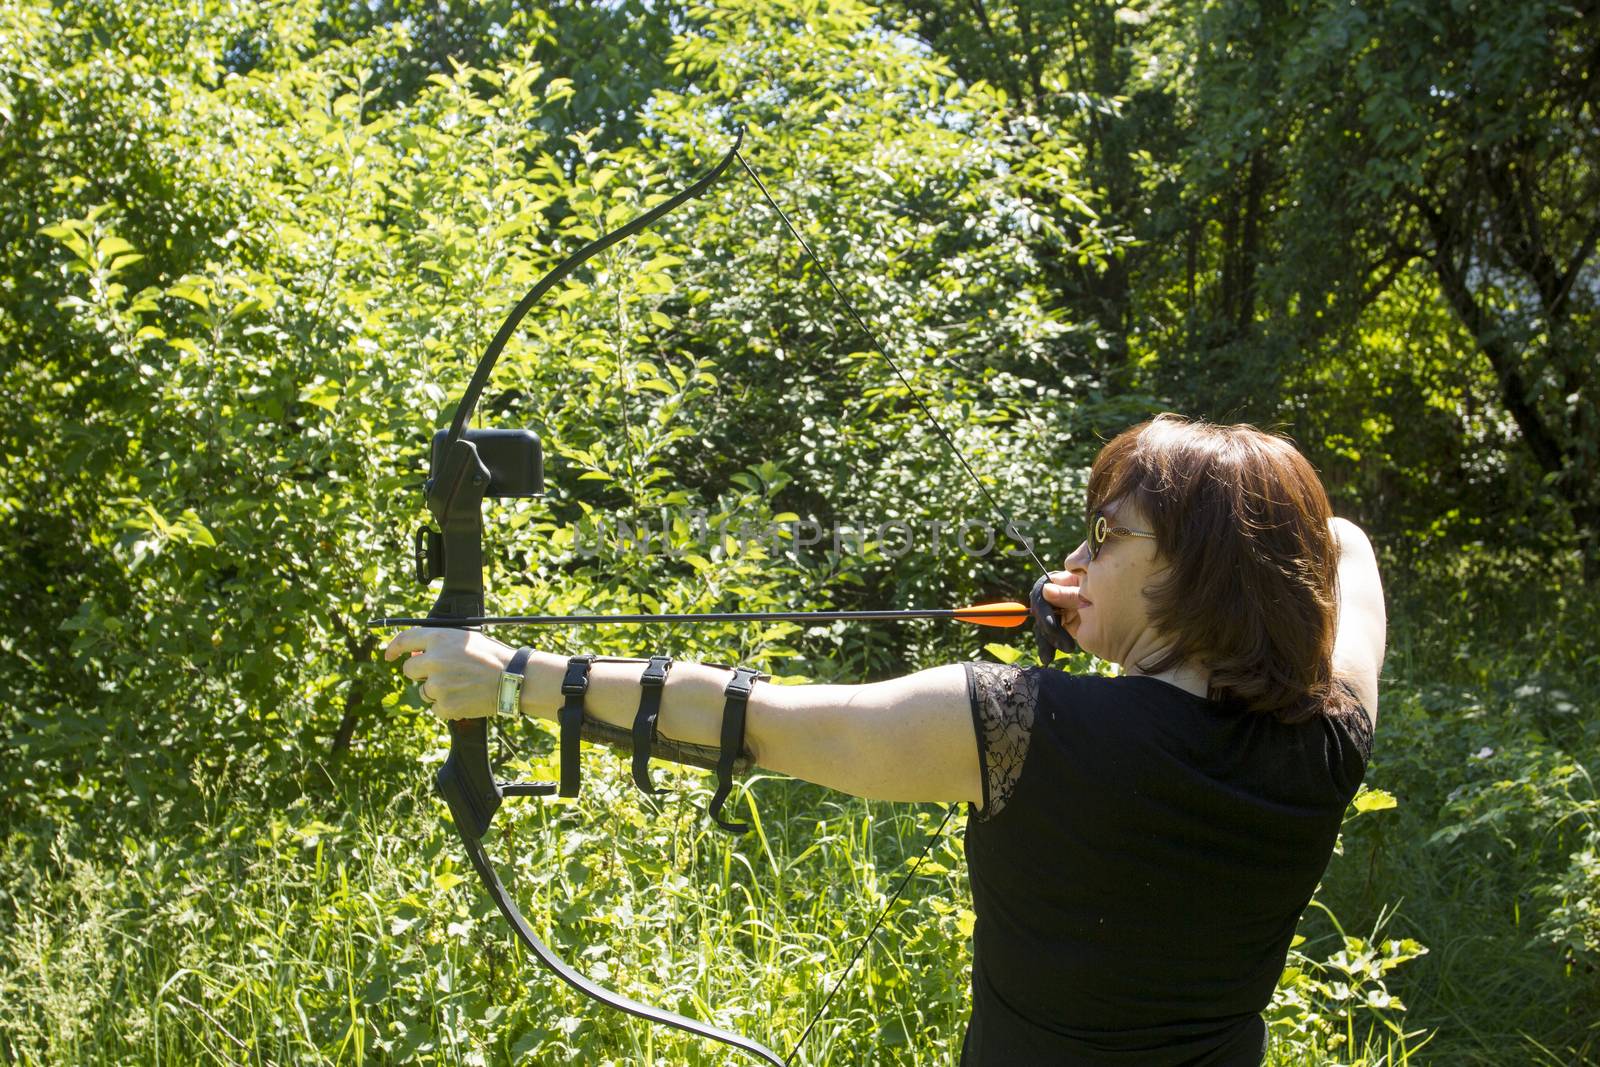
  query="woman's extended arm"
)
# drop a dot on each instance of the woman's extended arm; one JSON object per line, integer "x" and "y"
{"x": 1359, "y": 645}
{"x": 907, "y": 739}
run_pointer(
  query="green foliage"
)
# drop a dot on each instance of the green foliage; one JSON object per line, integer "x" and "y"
{"x": 254, "y": 251}
{"x": 1487, "y": 738}
{"x": 1330, "y": 1008}
{"x": 1266, "y": 175}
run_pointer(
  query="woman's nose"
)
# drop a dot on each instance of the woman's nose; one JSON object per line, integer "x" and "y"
{"x": 1079, "y": 560}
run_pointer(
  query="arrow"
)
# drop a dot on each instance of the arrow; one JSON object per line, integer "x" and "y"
{"x": 1007, "y": 614}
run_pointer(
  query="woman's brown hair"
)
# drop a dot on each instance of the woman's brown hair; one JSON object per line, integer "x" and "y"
{"x": 1253, "y": 585}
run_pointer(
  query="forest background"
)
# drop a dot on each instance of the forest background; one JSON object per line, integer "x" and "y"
{"x": 254, "y": 249}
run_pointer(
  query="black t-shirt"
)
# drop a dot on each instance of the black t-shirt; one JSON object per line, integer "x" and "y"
{"x": 1139, "y": 866}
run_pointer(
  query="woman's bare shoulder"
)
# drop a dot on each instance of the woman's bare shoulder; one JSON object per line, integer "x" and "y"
{"x": 1361, "y": 639}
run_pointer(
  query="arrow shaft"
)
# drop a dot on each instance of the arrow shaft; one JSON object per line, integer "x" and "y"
{"x": 710, "y": 616}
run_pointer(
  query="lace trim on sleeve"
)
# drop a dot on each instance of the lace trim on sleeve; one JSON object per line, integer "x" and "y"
{"x": 1360, "y": 727}
{"x": 1004, "y": 702}
{"x": 1359, "y": 723}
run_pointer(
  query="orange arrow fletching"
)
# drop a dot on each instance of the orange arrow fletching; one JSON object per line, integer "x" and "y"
{"x": 1007, "y": 614}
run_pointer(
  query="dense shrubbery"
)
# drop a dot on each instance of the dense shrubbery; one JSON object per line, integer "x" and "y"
{"x": 252, "y": 256}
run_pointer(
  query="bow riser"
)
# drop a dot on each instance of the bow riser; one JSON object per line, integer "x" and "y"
{"x": 461, "y": 474}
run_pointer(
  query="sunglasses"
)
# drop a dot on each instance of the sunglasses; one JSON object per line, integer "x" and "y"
{"x": 1100, "y": 529}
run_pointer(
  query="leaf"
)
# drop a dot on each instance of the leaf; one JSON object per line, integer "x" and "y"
{"x": 190, "y": 291}
{"x": 110, "y": 246}
{"x": 1375, "y": 800}
{"x": 189, "y": 528}
{"x": 325, "y": 395}
{"x": 71, "y": 235}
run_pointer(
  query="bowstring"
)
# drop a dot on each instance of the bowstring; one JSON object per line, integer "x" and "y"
{"x": 861, "y": 947}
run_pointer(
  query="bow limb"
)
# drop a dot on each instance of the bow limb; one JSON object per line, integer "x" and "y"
{"x": 469, "y": 824}
{"x": 480, "y": 377}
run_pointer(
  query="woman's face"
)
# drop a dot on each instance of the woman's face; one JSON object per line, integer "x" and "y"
{"x": 1113, "y": 616}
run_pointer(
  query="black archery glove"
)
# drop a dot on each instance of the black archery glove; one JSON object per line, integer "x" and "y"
{"x": 1048, "y": 633}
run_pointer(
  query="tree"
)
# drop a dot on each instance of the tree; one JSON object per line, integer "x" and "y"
{"x": 1463, "y": 136}
{"x": 1279, "y": 167}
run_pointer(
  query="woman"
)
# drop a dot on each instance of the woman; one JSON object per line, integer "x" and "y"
{"x": 1140, "y": 847}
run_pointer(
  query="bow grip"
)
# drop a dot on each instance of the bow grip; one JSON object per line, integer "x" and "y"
{"x": 466, "y": 780}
